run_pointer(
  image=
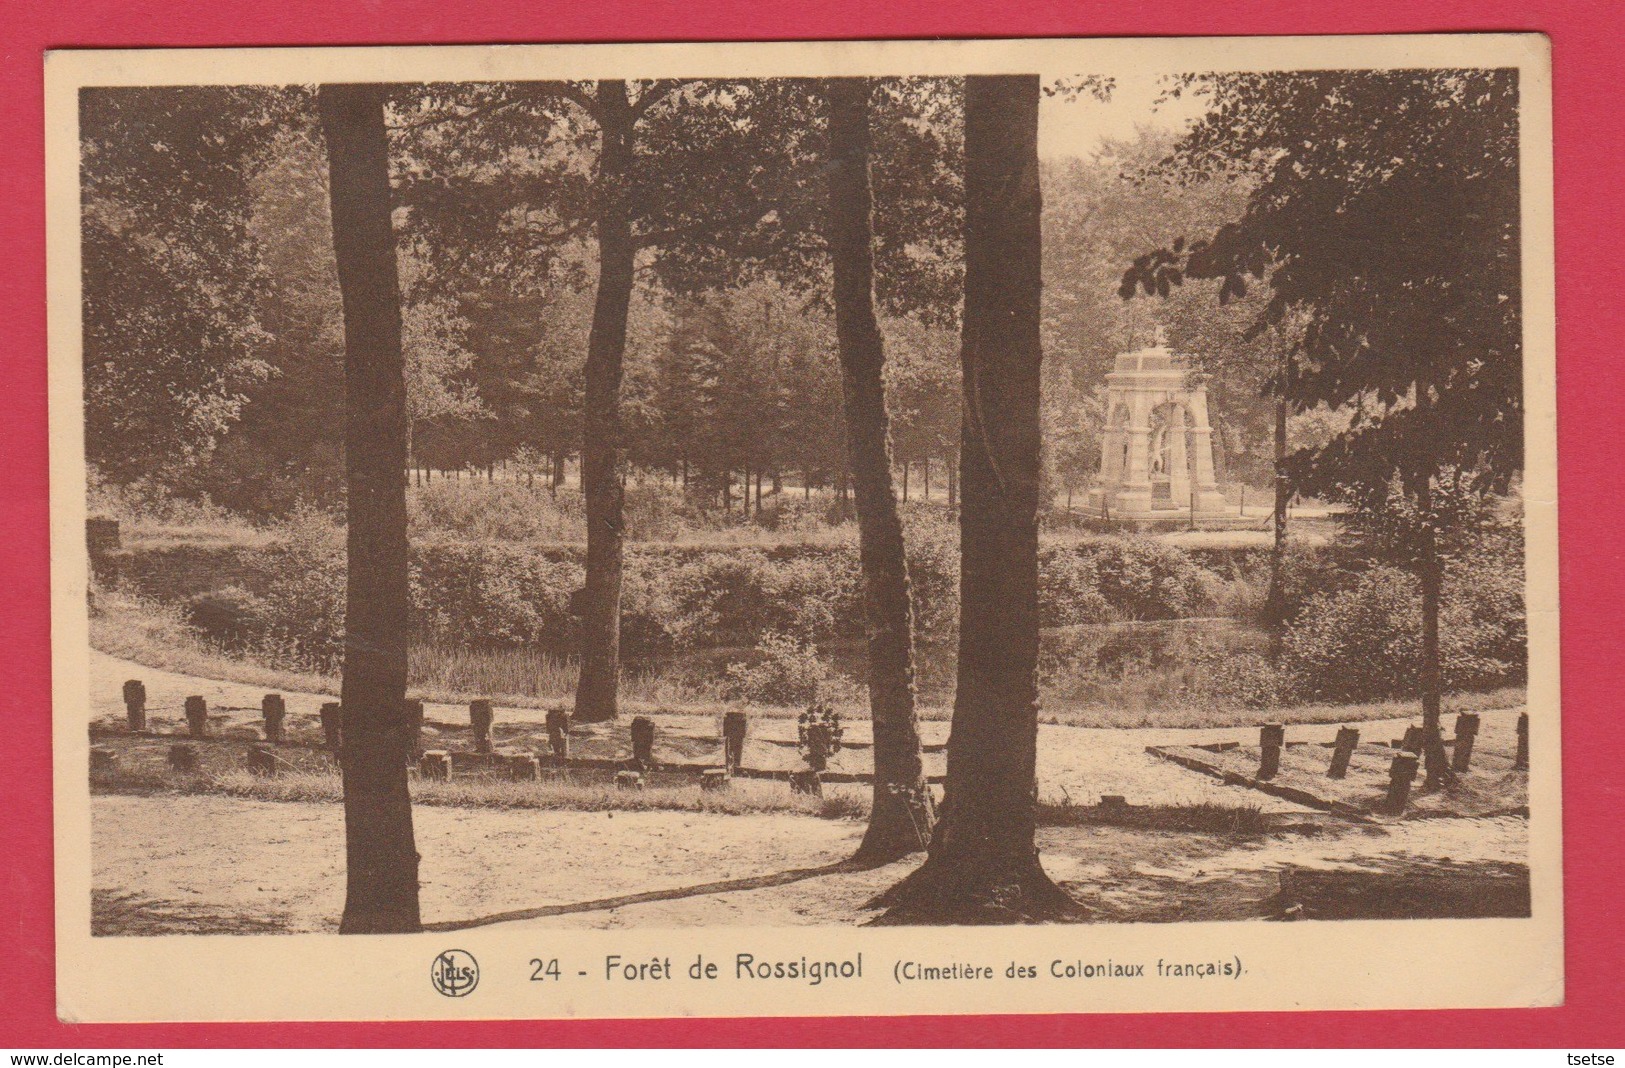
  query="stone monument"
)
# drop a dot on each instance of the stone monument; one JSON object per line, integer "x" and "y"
{"x": 1156, "y": 442}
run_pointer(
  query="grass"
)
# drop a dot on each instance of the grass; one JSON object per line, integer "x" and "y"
{"x": 150, "y": 633}
{"x": 1242, "y": 597}
{"x": 743, "y": 797}
{"x": 531, "y": 678}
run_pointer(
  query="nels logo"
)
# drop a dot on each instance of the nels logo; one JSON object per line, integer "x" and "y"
{"x": 455, "y": 973}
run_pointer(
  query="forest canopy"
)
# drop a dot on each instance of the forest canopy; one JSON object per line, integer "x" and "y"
{"x": 207, "y": 208}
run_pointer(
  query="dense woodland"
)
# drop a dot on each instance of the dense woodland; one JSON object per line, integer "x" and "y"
{"x": 739, "y": 292}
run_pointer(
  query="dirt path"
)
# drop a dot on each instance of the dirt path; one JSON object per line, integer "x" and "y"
{"x": 226, "y": 863}
{"x": 169, "y": 864}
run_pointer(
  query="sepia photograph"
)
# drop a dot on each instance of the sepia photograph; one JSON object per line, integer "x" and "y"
{"x": 827, "y": 495}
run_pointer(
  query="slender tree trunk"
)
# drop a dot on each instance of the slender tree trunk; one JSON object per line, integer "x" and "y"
{"x": 900, "y": 815}
{"x": 983, "y": 863}
{"x": 1275, "y": 600}
{"x": 1431, "y": 574}
{"x": 381, "y": 859}
{"x": 601, "y": 448}
{"x": 1221, "y": 454}
{"x": 953, "y": 487}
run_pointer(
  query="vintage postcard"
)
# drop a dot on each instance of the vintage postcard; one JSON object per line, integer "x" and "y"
{"x": 1023, "y": 526}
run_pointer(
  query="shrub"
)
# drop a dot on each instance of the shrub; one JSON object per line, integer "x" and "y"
{"x": 723, "y": 594}
{"x": 663, "y": 512}
{"x": 651, "y": 621}
{"x": 933, "y": 572}
{"x": 1145, "y": 579}
{"x": 231, "y": 618}
{"x": 297, "y": 583}
{"x": 785, "y": 670}
{"x": 818, "y": 596}
{"x": 1490, "y": 589}
{"x": 147, "y": 504}
{"x": 735, "y": 597}
{"x": 1069, "y": 591}
{"x": 509, "y": 511}
{"x": 1364, "y": 641}
{"x": 1308, "y": 571}
{"x": 1243, "y": 678}
{"x": 493, "y": 595}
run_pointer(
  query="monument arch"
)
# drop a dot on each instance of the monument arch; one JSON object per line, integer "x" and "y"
{"x": 1158, "y": 444}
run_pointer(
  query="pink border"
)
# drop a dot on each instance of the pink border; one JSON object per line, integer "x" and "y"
{"x": 1589, "y": 138}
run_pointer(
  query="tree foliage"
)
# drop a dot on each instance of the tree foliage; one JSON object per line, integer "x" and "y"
{"x": 172, "y": 339}
{"x": 1386, "y": 215}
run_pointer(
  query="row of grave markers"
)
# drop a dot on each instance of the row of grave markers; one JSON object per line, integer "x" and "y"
{"x": 481, "y": 718}
{"x": 437, "y": 764}
{"x": 1402, "y": 769}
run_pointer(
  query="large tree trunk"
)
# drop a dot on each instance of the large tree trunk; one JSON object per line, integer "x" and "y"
{"x": 601, "y": 485}
{"x": 983, "y": 863}
{"x": 900, "y": 814}
{"x": 381, "y": 860}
